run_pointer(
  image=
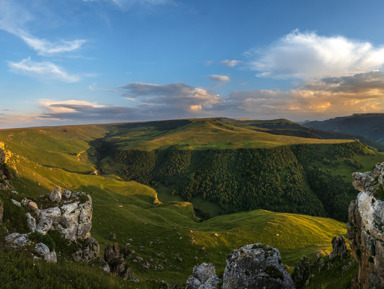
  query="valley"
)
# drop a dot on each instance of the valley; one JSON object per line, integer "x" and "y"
{"x": 184, "y": 192}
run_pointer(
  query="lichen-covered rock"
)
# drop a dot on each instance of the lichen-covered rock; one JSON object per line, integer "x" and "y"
{"x": 42, "y": 249}
{"x": 256, "y": 266}
{"x": 89, "y": 251}
{"x": 339, "y": 247}
{"x": 67, "y": 194}
{"x": 17, "y": 240}
{"x": 203, "y": 277}
{"x": 366, "y": 228}
{"x": 111, "y": 252}
{"x": 115, "y": 260}
{"x": 44, "y": 225}
{"x": 55, "y": 195}
{"x": 52, "y": 213}
{"x": 31, "y": 222}
{"x": 302, "y": 272}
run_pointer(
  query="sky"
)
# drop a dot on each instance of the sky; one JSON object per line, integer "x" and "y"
{"x": 102, "y": 61}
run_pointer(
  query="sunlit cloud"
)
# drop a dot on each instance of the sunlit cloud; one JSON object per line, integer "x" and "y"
{"x": 220, "y": 78}
{"x": 43, "y": 70}
{"x": 230, "y": 63}
{"x": 309, "y": 56}
{"x": 176, "y": 99}
{"x": 320, "y": 99}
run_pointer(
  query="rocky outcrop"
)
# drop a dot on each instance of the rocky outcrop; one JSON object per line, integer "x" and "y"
{"x": 340, "y": 260}
{"x": 249, "y": 267}
{"x": 44, "y": 251}
{"x": 203, "y": 277}
{"x": 4, "y": 173}
{"x": 17, "y": 240}
{"x": 90, "y": 250}
{"x": 339, "y": 247}
{"x": 71, "y": 216}
{"x": 256, "y": 266}
{"x": 68, "y": 213}
{"x": 366, "y": 228}
{"x": 114, "y": 262}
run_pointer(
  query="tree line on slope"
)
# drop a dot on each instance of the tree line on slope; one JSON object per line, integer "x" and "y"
{"x": 285, "y": 179}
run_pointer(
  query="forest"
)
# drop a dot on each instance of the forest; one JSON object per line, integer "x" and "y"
{"x": 296, "y": 178}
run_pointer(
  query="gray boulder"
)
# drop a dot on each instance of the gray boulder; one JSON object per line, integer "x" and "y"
{"x": 31, "y": 222}
{"x": 67, "y": 194}
{"x": 42, "y": 249}
{"x": 203, "y": 277}
{"x": 17, "y": 240}
{"x": 45, "y": 224}
{"x": 256, "y": 266}
{"x": 88, "y": 252}
{"x": 55, "y": 195}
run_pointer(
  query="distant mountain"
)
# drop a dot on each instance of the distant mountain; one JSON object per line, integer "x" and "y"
{"x": 370, "y": 125}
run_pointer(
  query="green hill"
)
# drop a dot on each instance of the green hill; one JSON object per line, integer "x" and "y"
{"x": 164, "y": 155}
{"x": 369, "y": 126}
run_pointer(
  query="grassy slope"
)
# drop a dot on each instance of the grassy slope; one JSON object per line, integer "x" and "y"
{"x": 203, "y": 134}
{"x": 126, "y": 209}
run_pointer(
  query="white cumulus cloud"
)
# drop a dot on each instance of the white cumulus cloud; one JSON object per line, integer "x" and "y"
{"x": 308, "y": 56}
{"x": 220, "y": 78}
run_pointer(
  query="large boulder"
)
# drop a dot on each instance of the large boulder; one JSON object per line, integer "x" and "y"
{"x": 203, "y": 277}
{"x": 55, "y": 195}
{"x": 256, "y": 266}
{"x": 43, "y": 250}
{"x": 366, "y": 228}
{"x": 90, "y": 250}
{"x": 17, "y": 240}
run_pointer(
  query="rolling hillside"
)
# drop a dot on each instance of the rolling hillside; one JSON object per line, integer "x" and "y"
{"x": 368, "y": 125}
{"x": 170, "y": 233}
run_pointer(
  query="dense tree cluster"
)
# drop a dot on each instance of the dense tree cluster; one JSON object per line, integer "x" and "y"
{"x": 285, "y": 179}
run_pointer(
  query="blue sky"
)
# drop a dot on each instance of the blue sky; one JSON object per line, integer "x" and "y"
{"x": 97, "y": 61}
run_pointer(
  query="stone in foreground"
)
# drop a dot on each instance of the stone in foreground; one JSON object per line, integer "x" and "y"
{"x": 256, "y": 266}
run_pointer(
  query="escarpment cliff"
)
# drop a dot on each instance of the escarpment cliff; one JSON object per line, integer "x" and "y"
{"x": 366, "y": 228}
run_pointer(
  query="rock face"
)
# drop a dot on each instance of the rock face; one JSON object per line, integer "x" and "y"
{"x": 339, "y": 247}
{"x": 114, "y": 262}
{"x": 256, "y": 266}
{"x": 88, "y": 252}
{"x": 70, "y": 215}
{"x": 366, "y": 228}
{"x": 203, "y": 277}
